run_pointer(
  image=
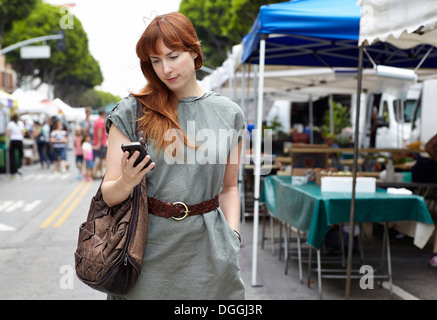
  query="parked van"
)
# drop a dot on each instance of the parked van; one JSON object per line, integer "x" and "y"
{"x": 424, "y": 117}
{"x": 393, "y": 123}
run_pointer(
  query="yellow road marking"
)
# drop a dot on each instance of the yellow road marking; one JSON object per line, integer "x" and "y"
{"x": 76, "y": 201}
{"x": 58, "y": 210}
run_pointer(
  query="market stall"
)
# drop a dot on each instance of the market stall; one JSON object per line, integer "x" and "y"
{"x": 321, "y": 34}
{"x": 7, "y": 103}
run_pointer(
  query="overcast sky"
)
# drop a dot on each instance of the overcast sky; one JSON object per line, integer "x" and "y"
{"x": 113, "y": 28}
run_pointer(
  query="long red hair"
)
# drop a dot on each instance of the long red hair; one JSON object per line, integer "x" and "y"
{"x": 159, "y": 103}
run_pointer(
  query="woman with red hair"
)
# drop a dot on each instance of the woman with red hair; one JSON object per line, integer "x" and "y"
{"x": 194, "y": 140}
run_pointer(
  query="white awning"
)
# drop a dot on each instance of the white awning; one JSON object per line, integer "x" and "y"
{"x": 403, "y": 23}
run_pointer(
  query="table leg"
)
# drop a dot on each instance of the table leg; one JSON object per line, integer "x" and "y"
{"x": 388, "y": 258}
{"x": 360, "y": 242}
{"x": 272, "y": 234}
{"x": 341, "y": 238}
{"x": 310, "y": 253}
{"x": 299, "y": 256}
{"x": 319, "y": 274}
{"x": 286, "y": 242}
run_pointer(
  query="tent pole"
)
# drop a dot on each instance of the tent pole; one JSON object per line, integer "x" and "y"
{"x": 354, "y": 175}
{"x": 241, "y": 170}
{"x": 331, "y": 114}
{"x": 311, "y": 120}
{"x": 257, "y": 160}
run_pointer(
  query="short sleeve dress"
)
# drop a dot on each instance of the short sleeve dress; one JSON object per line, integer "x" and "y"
{"x": 196, "y": 258}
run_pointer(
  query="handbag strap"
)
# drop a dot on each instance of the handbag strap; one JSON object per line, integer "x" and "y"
{"x": 140, "y": 137}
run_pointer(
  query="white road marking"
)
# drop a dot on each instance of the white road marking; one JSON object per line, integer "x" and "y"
{"x": 399, "y": 291}
{"x": 13, "y": 205}
{"x": 4, "y": 227}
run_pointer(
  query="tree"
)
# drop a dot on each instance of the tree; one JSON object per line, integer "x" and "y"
{"x": 12, "y": 10}
{"x": 96, "y": 98}
{"x": 71, "y": 71}
{"x": 220, "y": 24}
{"x": 208, "y": 17}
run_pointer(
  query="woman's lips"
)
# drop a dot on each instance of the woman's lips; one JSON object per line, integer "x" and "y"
{"x": 172, "y": 79}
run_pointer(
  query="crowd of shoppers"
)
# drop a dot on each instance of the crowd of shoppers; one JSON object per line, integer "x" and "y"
{"x": 51, "y": 138}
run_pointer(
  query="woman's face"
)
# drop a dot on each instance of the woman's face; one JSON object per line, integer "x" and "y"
{"x": 176, "y": 70}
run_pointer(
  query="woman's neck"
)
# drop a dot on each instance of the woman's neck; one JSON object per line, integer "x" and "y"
{"x": 194, "y": 91}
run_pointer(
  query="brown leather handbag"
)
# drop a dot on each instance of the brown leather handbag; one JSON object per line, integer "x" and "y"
{"x": 112, "y": 241}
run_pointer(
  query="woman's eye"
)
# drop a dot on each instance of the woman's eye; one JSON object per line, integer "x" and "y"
{"x": 174, "y": 57}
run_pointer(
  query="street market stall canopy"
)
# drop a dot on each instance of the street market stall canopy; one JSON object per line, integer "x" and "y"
{"x": 71, "y": 114}
{"x": 6, "y": 100}
{"x": 403, "y": 23}
{"x": 31, "y": 102}
{"x": 323, "y": 33}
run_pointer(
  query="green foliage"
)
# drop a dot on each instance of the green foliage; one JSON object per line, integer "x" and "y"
{"x": 71, "y": 71}
{"x": 220, "y": 24}
{"x": 96, "y": 98}
{"x": 12, "y": 10}
{"x": 341, "y": 119}
{"x": 208, "y": 17}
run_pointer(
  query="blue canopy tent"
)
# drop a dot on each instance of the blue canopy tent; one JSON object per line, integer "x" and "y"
{"x": 316, "y": 33}
{"x": 321, "y": 33}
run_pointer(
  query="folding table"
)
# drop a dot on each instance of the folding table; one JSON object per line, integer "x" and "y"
{"x": 308, "y": 209}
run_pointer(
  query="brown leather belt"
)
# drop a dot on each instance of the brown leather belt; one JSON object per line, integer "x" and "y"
{"x": 179, "y": 210}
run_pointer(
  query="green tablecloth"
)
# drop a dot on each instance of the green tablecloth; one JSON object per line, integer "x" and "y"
{"x": 308, "y": 209}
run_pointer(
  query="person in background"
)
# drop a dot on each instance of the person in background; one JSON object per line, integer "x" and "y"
{"x": 431, "y": 149}
{"x": 15, "y": 131}
{"x": 41, "y": 143}
{"x": 87, "y": 124}
{"x": 88, "y": 156}
{"x": 100, "y": 139}
{"x": 77, "y": 141}
{"x": 46, "y": 129}
{"x": 59, "y": 140}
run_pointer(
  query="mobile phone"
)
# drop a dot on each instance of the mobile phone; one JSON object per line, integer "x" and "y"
{"x": 131, "y": 147}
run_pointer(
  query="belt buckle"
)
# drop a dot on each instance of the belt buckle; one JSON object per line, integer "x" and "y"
{"x": 186, "y": 211}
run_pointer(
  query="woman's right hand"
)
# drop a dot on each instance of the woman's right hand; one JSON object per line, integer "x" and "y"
{"x": 120, "y": 174}
{"x": 131, "y": 175}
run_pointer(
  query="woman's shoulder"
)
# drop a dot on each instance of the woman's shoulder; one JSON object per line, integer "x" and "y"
{"x": 216, "y": 97}
{"x": 127, "y": 104}
{"x": 222, "y": 103}
{"x": 228, "y": 109}
{"x": 123, "y": 115}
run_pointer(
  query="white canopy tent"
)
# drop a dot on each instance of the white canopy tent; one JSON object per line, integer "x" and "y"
{"x": 33, "y": 102}
{"x": 71, "y": 114}
{"x": 403, "y": 23}
{"x": 30, "y": 102}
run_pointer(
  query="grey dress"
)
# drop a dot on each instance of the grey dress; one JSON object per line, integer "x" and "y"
{"x": 198, "y": 257}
